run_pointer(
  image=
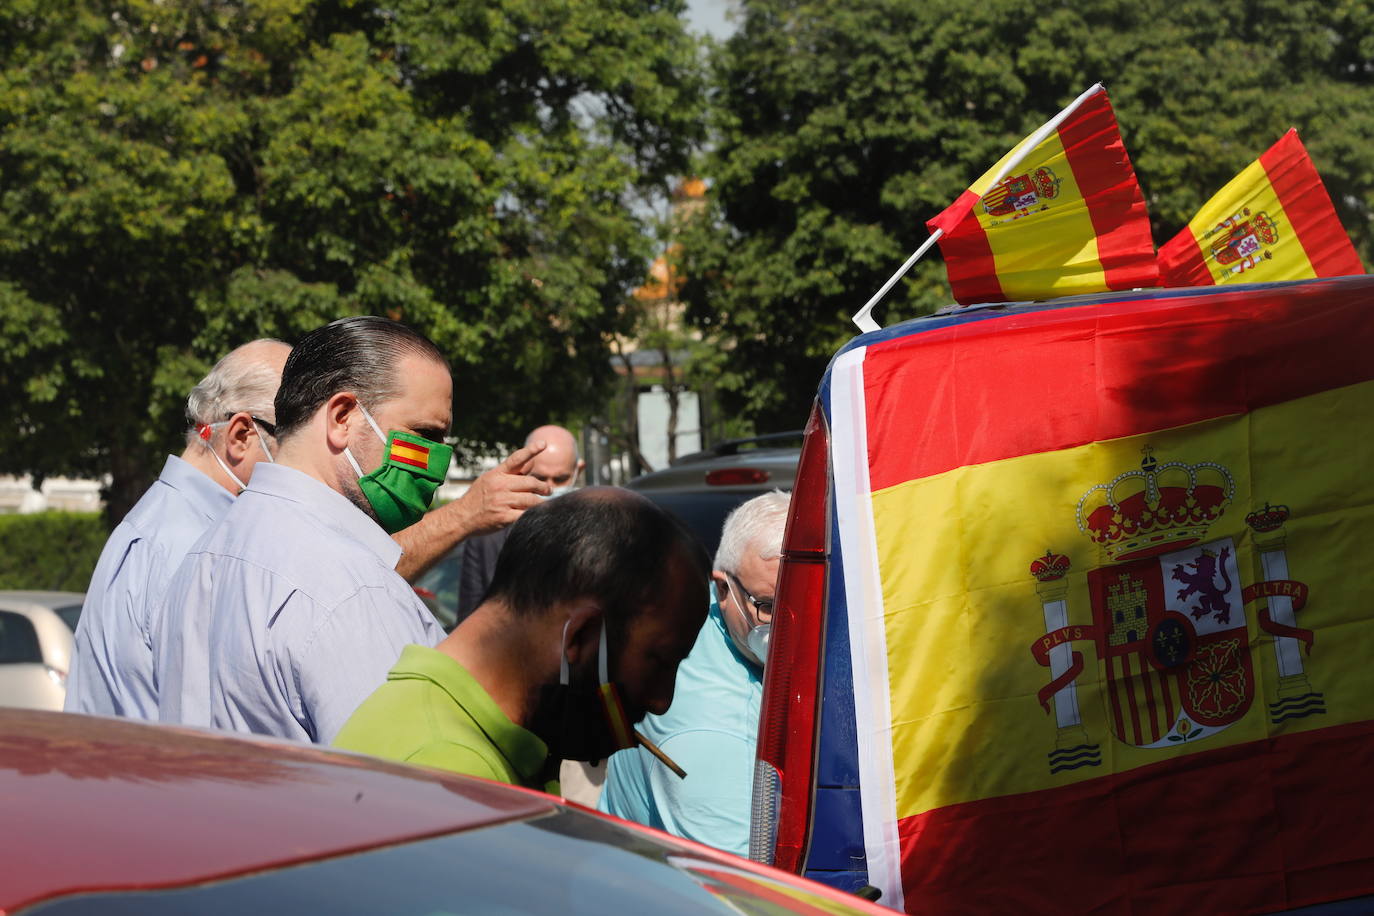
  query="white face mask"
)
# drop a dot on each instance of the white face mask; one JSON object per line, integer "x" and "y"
{"x": 206, "y": 431}
{"x": 757, "y": 640}
{"x": 758, "y": 634}
{"x": 561, "y": 491}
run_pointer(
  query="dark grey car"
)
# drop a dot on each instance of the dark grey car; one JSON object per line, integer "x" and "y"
{"x": 702, "y": 488}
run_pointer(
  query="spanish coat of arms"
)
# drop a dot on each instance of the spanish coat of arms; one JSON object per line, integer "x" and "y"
{"x": 1169, "y": 619}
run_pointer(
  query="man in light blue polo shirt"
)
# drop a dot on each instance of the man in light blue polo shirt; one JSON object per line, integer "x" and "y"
{"x": 229, "y": 414}
{"x": 713, "y": 724}
{"x": 286, "y": 615}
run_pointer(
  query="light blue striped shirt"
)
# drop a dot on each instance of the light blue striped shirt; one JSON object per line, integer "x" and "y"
{"x": 287, "y": 615}
{"x": 112, "y": 667}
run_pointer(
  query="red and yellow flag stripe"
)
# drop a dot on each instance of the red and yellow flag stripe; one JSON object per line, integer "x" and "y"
{"x": 1076, "y": 221}
{"x": 1274, "y": 221}
{"x": 410, "y": 453}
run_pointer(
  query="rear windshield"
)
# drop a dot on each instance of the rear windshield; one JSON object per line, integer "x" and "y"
{"x": 18, "y": 641}
{"x": 69, "y": 613}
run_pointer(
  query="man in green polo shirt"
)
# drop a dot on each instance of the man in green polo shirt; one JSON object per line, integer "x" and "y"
{"x": 596, "y": 598}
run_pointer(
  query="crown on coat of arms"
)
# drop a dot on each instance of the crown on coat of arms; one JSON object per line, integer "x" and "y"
{"x": 1156, "y": 509}
{"x": 1050, "y": 567}
{"x": 1267, "y": 519}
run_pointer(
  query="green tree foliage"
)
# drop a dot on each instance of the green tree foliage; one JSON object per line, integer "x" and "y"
{"x": 50, "y": 550}
{"x": 840, "y": 128}
{"x": 179, "y": 176}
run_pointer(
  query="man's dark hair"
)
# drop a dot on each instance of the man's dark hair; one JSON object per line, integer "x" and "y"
{"x": 352, "y": 354}
{"x": 610, "y": 545}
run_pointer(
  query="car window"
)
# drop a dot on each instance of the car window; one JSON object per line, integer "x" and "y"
{"x": 18, "y": 641}
{"x": 566, "y": 863}
{"x": 70, "y": 614}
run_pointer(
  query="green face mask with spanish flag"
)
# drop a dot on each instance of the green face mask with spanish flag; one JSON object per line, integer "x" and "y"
{"x": 402, "y": 488}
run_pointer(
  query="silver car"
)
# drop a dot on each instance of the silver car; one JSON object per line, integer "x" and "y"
{"x": 37, "y": 636}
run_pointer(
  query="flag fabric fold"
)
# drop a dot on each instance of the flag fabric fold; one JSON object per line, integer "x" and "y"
{"x": 1274, "y": 221}
{"x": 1060, "y": 214}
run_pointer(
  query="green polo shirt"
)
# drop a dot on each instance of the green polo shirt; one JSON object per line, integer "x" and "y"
{"x": 431, "y": 711}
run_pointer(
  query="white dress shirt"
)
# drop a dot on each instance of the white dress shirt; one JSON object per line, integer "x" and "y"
{"x": 285, "y": 616}
{"x": 112, "y": 667}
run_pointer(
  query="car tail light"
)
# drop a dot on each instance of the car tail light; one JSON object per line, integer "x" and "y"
{"x": 731, "y": 476}
{"x": 782, "y": 774}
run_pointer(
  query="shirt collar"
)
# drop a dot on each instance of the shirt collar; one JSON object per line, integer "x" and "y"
{"x": 205, "y": 496}
{"x": 523, "y": 749}
{"x": 282, "y": 482}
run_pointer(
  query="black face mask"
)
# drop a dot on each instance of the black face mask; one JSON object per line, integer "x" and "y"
{"x": 585, "y": 721}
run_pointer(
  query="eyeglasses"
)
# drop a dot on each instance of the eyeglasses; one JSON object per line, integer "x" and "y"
{"x": 763, "y": 607}
{"x": 271, "y": 428}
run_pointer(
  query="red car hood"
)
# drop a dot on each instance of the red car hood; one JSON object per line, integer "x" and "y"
{"x": 99, "y": 804}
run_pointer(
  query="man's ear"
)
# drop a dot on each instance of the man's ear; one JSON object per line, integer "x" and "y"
{"x": 338, "y": 413}
{"x": 585, "y": 619}
{"x": 577, "y": 474}
{"x": 721, "y": 585}
{"x": 238, "y": 437}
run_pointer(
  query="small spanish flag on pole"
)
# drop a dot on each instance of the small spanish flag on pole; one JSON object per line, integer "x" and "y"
{"x": 1060, "y": 214}
{"x": 1273, "y": 221}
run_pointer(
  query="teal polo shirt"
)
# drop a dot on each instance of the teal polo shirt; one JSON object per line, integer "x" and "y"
{"x": 431, "y": 711}
{"x": 710, "y": 730}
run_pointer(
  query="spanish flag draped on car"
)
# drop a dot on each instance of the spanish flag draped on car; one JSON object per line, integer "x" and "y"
{"x": 1273, "y": 221}
{"x": 1109, "y": 598}
{"x": 1060, "y": 214}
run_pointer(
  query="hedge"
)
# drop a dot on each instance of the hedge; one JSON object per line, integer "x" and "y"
{"x": 50, "y": 550}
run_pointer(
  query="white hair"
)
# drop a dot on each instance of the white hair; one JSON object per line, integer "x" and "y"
{"x": 241, "y": 381}
{"x": 754, "y": 525}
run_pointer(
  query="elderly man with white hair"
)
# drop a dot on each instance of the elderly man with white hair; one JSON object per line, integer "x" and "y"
{"x": 229, "y": 419}
{"x": 713, "y": 723}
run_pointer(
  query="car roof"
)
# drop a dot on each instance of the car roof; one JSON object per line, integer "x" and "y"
{"x": 106, "y": 804}
{"x": 27, "y": 601}
{"x": 689, "y": 472}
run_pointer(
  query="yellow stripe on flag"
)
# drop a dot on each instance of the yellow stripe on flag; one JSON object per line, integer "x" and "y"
{"x": 1239, "y": 222}
{"x": 962, "y": 610}
{"x": 1060, "y": 256}
{"x": 407, "y": 451}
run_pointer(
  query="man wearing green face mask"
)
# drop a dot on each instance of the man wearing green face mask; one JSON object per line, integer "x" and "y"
{"x": 284, "y": 617}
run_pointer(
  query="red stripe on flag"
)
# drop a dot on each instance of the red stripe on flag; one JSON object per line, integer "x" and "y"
{"x": 1165, "y": 688}
{"x": 1128, "y": 682}
{"x": 970, "y": 264}
{"x": 1028, "y": 383}
{"x": 1102, "y": 168}
{"x": 1181, "y": 262}
{"x": 406, "y": 459}
{"x": 1115, "y": 693}
{"x": 1249, "y": 828}
{"x": 1308, "y": 206}
{"x": 1146, "y": 678}
{"x": 954, "y": 214}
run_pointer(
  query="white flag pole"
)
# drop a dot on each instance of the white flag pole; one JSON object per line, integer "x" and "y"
{"x": 863, "y": 317}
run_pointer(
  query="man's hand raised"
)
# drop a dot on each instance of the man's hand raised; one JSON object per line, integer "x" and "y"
{"x": 498, "y": 497}
{"x": 495, "y": 500}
